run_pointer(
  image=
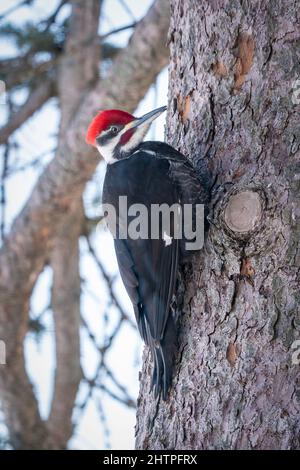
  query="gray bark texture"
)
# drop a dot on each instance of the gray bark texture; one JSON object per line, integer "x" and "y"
{"x": 233, "y": 110}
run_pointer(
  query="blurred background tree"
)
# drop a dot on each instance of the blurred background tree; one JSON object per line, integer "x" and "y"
{"x": 72, "y": 352}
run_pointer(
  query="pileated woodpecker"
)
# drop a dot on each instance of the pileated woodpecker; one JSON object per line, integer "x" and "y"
{"x": 146, "y": 173}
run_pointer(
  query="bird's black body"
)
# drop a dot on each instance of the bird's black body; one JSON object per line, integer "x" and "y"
{"x": 153, "y": 173}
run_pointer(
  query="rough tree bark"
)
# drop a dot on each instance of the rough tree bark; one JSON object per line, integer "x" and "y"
{"x": 48, "y": 227}
{"x": 231, "y": 109}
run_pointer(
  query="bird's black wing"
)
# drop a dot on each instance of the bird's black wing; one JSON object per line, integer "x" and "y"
{"x": 149, "y": 273}
{"x": 148, "y": 267}
{"x": 131, "y": 283}
{"x": 193, "y": 186}
{"x": 151, "y": 297}
{"x": 164, "y": 151}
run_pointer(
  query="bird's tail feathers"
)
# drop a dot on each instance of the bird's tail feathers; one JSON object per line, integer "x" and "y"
{"x": 164, "y": 353}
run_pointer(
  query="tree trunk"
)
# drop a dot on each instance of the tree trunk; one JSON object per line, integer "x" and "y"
{"x": 234, "y": 110}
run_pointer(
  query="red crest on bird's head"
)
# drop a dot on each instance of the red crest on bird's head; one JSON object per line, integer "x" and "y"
{"x": 104, "y": 120}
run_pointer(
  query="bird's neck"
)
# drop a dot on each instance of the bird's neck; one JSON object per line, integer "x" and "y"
{"x": 127, "y": 149}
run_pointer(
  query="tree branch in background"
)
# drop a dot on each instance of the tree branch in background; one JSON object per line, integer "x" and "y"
{"x": 20, "y": 71}
{"x": 56, "y": 195}
{"x": 36, "y": 162}
{"x": 108, "y": 282}
{"x": 78, "y": 68}
{"x": 117, "y": 30}
{"x": 3, "y": 192}
{"x": 66, "y": 313}
{"x": 48, "y": 23}
{"x": 15, "y": 7}
{"x": 36, "y": 99}
{"x": 127, "y": 9}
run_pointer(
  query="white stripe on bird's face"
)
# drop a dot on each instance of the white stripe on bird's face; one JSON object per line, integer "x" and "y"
{"x": 135, "y": 139}
{"x": 108, "y": 150}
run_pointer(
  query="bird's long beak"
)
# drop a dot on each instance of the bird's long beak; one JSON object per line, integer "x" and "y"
{"x": 146, "y": 119}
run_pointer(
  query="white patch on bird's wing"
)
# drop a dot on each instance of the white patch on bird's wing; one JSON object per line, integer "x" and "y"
{"x": 150, "y": 152}
{"x": 167, "y": 239}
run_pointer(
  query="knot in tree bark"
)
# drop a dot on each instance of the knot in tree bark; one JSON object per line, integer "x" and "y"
{"x": 243, "y": 212}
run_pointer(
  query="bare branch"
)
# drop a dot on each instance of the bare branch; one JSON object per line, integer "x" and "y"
{"x": 3, "y": 192}
{"x": 93, "y": 383}
{"x": 27, "y": 247}
{"x": 66, "y": 313}
{"x": 15, "y": 7}
{"x": 36, "y": 162}
{"x": 108, "y": 282}
{"x": 127, "y": 9}
{"x": 53, "y": 16}
{"x": 19, "y": 71}
{"x": 117, "y": 383}
{"x": 79, "y": 65}
{"x": 78, "y": 68}
{"x": 39, "y": 96}
{"x": 104, "y": 423}
{"x": 129, "y": 402}
{"x": 117, "y": 30}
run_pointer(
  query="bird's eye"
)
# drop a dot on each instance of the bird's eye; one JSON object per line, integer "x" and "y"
{"x": 113, "y": 129}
